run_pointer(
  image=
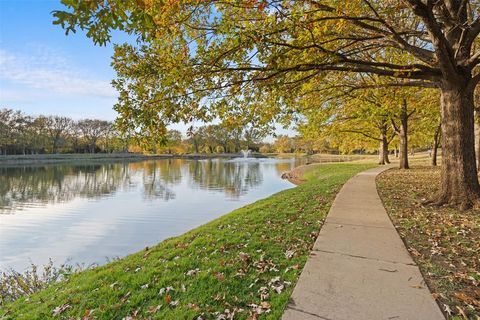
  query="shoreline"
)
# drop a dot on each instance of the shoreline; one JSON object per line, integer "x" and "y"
{"x": 45, "y": 159}
{"x": 296, "y": 175}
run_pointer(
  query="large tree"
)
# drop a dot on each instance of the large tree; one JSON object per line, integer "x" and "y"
{"x": 197, "y": 58}
{"x": 92, "y": 130}
{"x": 57, "y": 128}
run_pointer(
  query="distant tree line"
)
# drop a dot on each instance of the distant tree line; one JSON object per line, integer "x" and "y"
{"x": 25, "y": 134}
{"x": 211, "y": 138}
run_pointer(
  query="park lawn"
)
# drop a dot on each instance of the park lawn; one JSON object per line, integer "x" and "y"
{"x": 444, "y": 242}
{"x": 245, "y": 264}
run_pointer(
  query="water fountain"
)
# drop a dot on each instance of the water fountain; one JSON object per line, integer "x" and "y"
{"x": 246, "y": 153}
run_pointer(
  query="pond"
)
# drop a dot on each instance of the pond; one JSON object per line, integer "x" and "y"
{"x": 90, "y": 213}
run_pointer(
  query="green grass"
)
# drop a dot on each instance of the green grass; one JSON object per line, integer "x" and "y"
{"x": 248, "y": 262}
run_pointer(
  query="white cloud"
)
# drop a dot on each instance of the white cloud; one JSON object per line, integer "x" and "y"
{"x": 47, "y": 69}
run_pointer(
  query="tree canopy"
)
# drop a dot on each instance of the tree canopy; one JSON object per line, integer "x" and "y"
{"x": 250, "y": 60}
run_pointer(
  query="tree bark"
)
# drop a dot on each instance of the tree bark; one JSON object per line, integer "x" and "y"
{"x": 460, "y": 186}
{"x": 477, "y": 136}
{"x": 436, "y": 140}
{"x": 403, "y": 136}
{"x": 383, "y": 148}
{"x": 402, "y": 133}
{"x": 195, "y": 145}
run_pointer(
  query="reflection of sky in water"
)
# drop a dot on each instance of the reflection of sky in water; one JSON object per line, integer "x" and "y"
{"x": 88, "y": 213}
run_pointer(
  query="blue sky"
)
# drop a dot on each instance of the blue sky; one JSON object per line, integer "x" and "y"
{"x": 42, "y": 71}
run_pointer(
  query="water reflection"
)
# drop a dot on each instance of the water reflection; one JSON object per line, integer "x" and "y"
{"x": 158, "y": 177}
{"x": 33, "y": 186}
{"x": 85, "y": 213}
{"x": 233, "y": 178}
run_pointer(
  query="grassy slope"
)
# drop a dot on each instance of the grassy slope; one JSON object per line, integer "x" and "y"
{"x": 236, "y": 255}
{"x": 444, "y": 242}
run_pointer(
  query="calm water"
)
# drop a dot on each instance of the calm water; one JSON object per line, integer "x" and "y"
{"x": 89, "y": 213}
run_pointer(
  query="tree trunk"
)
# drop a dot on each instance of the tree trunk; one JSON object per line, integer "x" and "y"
{"x": 436, "y": 140}
{"x": 381, "y": 158}
{"x": 195, "y": 145}
{"x": 383, "y": 149}
{"x": 403, "y": 136}
{"x": 459, "y": 178}
{"x": 477, "y": 136}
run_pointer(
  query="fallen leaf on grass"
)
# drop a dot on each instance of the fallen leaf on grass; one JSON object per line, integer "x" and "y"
{"x": 125, "y": 297}
{"x": 244, "y": 257}
{"x": 462, "y": 313}
{"x": 278, "y": 285}
{"x": 165, "y": 290}
{"x": 289, "y": 254}
{"x": 193, "y": 306}
{"x": 88, "y": 313}
{"x": 58, "y": 310}
{"x": 264, "y": 307}
{"x": 264, "y": 295}
{"x": 467, "y": 299}
{"x": 447, "y": 309}
{"x": 192, "y": 272}
{"x": 220, "y": 276}
{"x": 154, "y": 309}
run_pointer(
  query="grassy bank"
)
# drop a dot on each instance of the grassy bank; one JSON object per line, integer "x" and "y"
{"x": 444, "y": 242}
{"x": 245, "y": 263}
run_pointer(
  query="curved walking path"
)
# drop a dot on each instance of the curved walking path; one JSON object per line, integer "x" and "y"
{"x": 359, "y": 267}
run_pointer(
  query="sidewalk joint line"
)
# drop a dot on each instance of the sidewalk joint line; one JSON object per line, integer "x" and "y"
{"x": 309, "y": 313}
{"x": 366, "y": 258}
{"x": 359, "y": 225}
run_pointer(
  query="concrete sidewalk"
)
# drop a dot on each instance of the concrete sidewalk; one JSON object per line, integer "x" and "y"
{"x": 359, "y": 267}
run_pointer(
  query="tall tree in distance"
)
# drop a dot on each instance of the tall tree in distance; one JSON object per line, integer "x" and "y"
{"x": 92, "y": 130}
{"x": 57, "y": 127}
{"x": 198, "y": 58}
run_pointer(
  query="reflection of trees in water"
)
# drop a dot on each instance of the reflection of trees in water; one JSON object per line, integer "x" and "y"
{"x": 21, "y": 186}
{"x": 30, "y": 186}
{"x": 234, "y": 178}
{"x": 157, "y": 175}
{"x": 283, "y": 167}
